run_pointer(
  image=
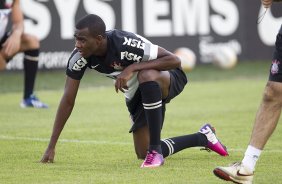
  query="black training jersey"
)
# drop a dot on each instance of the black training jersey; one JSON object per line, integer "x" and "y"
{"x": 123, "y": 49}
{"x": 5, "y": 9}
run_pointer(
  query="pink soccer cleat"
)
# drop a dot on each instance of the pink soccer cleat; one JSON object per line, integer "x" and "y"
{"x": 153, "y": 159}
{"x": 213, "y": 143}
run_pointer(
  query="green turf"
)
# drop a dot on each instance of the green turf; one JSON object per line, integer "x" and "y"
{"x": 95, "y": 146}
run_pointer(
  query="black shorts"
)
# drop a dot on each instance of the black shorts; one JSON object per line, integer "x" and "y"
{"x": 178, "y": 80}
{"x": 275, "y": 73}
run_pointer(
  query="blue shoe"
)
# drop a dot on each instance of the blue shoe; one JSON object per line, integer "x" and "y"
{"x": 33, "y": 101}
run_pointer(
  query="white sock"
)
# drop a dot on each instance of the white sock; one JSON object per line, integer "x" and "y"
{"x": 251, "y": 157}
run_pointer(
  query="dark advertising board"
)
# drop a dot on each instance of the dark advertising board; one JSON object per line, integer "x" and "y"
{"x": 200, "y": 25}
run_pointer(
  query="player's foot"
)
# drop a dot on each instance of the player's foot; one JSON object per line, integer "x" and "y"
{"x": 32, "y": 101}
{"x": 213, "y": 143}
{"x": 153, "y": 159}
{"x": 236, "y": 173}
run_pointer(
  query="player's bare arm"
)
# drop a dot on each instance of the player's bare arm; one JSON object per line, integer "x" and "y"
{"x": 165, "y": 61}
{"x": 64, "y": 111}
{"x": 12, "y": 44}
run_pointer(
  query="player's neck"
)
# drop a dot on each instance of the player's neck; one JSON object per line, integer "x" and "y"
{"x": 103, "y": 48}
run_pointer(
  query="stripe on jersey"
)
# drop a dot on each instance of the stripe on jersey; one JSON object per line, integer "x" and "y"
{"x": 150, "y": 52}
{"x": 74, "y": 59}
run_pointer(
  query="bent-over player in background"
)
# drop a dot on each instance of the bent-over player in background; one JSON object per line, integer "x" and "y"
{"x": 15, "y": 41}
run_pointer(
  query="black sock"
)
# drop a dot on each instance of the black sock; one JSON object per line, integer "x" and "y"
{"x": 30, "y": 70}
{"x": 152, "y": 103}
{"x": 176, "y": 144}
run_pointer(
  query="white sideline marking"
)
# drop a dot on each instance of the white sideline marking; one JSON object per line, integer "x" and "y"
{"x": 10, "y": 138}
{"x": 3, "y": 137}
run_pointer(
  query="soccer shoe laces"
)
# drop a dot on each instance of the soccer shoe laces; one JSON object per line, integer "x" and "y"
{"x": 150, "y": 157}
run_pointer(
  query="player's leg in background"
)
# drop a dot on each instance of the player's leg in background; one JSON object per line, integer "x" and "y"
{"x": 266, "y": 121}
{"x": 30, "y": 46}
{"x": 269, "y": 111}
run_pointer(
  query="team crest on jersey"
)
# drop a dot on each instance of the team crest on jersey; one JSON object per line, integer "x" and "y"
{"x": 275, "y": 67}
{"x": 117, "y": 66}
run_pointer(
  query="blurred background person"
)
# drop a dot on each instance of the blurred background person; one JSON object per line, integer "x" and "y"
{"x": 15, "y": 41}
{"x": 266, "y": 119}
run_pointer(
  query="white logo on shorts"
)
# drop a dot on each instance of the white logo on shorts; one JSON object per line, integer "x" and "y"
{"x": 275, "y": 67}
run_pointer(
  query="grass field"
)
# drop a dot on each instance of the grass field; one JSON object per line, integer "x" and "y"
{"x": 95, "y": 146}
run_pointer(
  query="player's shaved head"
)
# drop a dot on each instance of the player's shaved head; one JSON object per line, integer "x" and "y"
{"x": 94, "y": 23}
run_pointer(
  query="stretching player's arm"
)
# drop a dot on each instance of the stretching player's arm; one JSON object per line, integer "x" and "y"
{"x": 165, "y": 61}
{"x": 64, "y": 110}
{"x": 12, "y": 44}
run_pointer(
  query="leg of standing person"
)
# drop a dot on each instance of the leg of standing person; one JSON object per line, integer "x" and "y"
{"x": 265, "y": 123}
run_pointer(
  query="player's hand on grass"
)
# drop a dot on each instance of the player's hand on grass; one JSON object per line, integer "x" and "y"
{"x": 48, "y": 156}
